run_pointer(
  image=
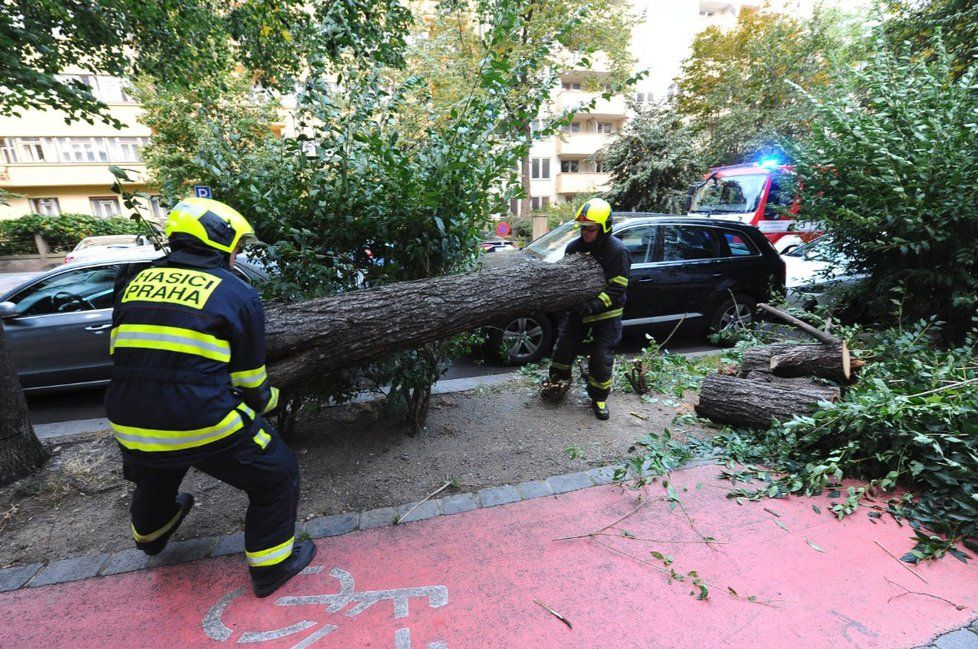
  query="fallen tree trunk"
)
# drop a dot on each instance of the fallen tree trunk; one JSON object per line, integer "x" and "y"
{"x": 802, "y": 385}
{"x": 826, "y": 360}
{"x": 307, "y": 339}
{"x": 754, "y": 403}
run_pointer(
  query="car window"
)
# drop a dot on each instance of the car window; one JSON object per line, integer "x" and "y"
{"x": 739, "y": 245}
{"x": 83, "y": 289}
{"x": 685, "y": 242}
{"x": 640, "y": 242}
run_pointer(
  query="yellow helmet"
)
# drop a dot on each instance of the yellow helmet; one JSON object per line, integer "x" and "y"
{"x": 213, "y": 223}
{"x": 596, "y": 211}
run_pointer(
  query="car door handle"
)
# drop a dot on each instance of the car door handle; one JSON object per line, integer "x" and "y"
{"x": 646, "y": 280}
{"x": 98, "y": 327}
{"x": 719, "y": 274}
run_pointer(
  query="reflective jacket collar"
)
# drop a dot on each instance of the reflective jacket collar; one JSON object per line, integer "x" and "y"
{"x": 195, "y": 257}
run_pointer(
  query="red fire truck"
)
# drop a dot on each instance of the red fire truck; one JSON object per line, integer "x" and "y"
{"x": 752, "y": 193}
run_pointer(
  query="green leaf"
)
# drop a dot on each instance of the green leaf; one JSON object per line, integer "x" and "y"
{"x": 814, "y": 545}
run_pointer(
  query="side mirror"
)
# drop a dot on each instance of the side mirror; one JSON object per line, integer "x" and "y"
{"x": 7, "y": 310}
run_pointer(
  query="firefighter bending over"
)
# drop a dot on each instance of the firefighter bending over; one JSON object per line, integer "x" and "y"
{"x": 600, "y": 316}
{"x": 189, "y": 388}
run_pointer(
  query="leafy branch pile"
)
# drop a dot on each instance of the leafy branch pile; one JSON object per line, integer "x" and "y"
{"x": 911, "y": 423}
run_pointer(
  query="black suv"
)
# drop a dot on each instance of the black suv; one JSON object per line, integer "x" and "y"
{"x": 706, "y": 273}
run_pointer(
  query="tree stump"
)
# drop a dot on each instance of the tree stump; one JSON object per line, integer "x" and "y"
{"x": 825, "y": 360}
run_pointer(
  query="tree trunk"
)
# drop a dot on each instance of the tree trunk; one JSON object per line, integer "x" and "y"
{"x": 828, "y": 361}
{"x": 308, "y": 339}
{"x": 755, "y": 403}
{"x": 804, "y": 385}
{"x": 20, "y": 451}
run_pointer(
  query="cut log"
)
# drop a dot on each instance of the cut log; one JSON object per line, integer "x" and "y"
{"x": 752, "y": 403}
{"x": 828, "y": 361}
{"x": 802, "y": 385}
{"x": 308, "y": 339}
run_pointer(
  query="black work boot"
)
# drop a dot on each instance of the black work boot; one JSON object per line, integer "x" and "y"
{"x": 601, "y": 410}
{"x": 267, "y": 580}
{"x": 186, "y": 502}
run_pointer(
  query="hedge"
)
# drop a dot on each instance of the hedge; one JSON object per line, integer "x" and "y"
{"x": 62, "y": 233}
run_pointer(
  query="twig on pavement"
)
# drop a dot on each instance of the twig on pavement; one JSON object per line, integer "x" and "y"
{"x": 959, "y": 607}
{"x": 641, "y": 504}
{"x": 427, "y": 498}
{"x": 555, "y": 614}
{"x": 912, "y": 571}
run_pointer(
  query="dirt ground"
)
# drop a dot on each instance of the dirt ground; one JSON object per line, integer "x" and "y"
{"x": 352, "y": 457}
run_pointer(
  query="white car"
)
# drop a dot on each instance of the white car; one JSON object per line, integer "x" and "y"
{"x": 107, "y": 245}
{"x": 813, "y": 270}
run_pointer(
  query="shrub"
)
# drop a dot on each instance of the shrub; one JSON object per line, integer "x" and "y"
{"x": 62, "y": 233}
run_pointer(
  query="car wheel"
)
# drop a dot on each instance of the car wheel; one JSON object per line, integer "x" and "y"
{"x": 735, "y": 312}
{"x": 523, "y": 340}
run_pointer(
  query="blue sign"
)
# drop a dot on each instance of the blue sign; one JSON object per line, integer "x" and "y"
{"x": 202, "y": 191}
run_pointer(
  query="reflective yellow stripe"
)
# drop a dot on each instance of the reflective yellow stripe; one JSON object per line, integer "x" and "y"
{"x": 271, "y": 556}
{"x": 605, "y": 300}
{"x": 152, "y": 536}
{"x": 272, "y": 402}
{"x": 152, "y": 439}
{"x": 559, "y": 366}
{"x": 171, "y": 339}
{"x": 614, "y": 313}
{"x": 243, "y": 408}
{"x": 249, "y": 378}
{"x": 262, "y": 438}
{"x": 601, "y": 385}
{"x": 619, "y": 279}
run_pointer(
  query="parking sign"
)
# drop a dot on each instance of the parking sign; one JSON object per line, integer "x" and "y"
{"x": 202, "y": 191}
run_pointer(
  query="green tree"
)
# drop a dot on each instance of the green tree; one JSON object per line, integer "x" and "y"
{"x": 171, "y": 40}
{"x": 890, "y": 170}
{"x": 365, "y": 196}
{"x": 738, "y": 86}
{"x": 653, "y": 159}
{"x": 918, "y": 23}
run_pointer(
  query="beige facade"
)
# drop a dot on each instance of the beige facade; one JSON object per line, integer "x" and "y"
{"x": 568, "y": 167}
{"x": 59, "y": 168}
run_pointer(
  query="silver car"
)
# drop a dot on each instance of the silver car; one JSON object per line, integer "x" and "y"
{"x": 57, "y": 323}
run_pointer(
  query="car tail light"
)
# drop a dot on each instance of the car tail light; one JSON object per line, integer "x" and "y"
{"x": 68, "y": 258}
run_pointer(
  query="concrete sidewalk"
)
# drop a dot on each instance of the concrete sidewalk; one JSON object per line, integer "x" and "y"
{"x": 491, "y": 569}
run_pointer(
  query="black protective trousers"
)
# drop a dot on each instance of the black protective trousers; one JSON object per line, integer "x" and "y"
{"x": 605, "y": 336}
{"x": 269, "y": 476}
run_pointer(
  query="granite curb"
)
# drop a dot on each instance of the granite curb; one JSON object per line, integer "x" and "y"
{"x": 132, "y": 560}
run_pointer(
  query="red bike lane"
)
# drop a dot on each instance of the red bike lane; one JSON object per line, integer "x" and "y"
{"x": 483, "y": 579}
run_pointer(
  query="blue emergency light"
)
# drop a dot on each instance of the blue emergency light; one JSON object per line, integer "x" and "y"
{"x": 769, "y": 163}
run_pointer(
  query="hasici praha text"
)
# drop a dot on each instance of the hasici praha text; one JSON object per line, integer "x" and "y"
{"x": 172, "y": 286}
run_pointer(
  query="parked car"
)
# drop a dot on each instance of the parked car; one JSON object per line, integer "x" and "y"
{"x": 814, "y": 271}
{"x": 57, "y": 323}
{"x": 107, "y": 245}
{"x": 703, "y": 273}
{"x": 498, "y": 245}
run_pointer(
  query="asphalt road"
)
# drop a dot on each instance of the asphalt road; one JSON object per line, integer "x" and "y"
{"x": 87, "y": 404}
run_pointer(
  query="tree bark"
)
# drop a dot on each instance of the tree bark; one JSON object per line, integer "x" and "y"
{"x": 802, "y": 385}
{"x": 20, "y": 451}
{"x": 755, "y": 403}
{"x": 828, "y": 361}
{"x": 308, "y": 339}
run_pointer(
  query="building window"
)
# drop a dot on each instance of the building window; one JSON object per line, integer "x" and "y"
{"x": 540, "y": 168}
{"x": 45, "y": 206}
{"x": 157, "y": 209}
{"x": 127, "y": 149}
{"x": 538, "y": 203}
{"x": 570, "y": 85}
{"x": 30, "y": 149}
{"x": 604, "y": 127}
{"x": 105, "y": 206}
{"x": 7, "y": 152}
{"x": 573, "y": 127}
{"x": 569, "y": 166}
{"x": 83, "y": 149}
{"x": 600, "y": 167}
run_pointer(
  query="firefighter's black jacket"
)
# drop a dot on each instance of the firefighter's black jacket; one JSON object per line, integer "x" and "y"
{"x": 616, "y": 262}
{"x": 188, "y": 348}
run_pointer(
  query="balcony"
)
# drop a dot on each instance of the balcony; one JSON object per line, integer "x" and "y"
{"x": 581, "y": 144}
{"x": 581, "y": 183}
{"x": 608, "y": 108}
{"x": 65, "y": 174}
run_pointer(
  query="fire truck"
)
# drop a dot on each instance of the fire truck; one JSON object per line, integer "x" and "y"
{"x": 752, "y": 193}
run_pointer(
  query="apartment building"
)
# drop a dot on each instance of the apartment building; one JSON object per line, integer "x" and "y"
{"x": 59, "y": 168}
{"x": 566, "y": 167}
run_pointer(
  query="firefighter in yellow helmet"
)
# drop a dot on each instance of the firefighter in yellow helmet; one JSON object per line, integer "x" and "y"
{"x": 189, "y": 389}
{"x": 599, "y": 316}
